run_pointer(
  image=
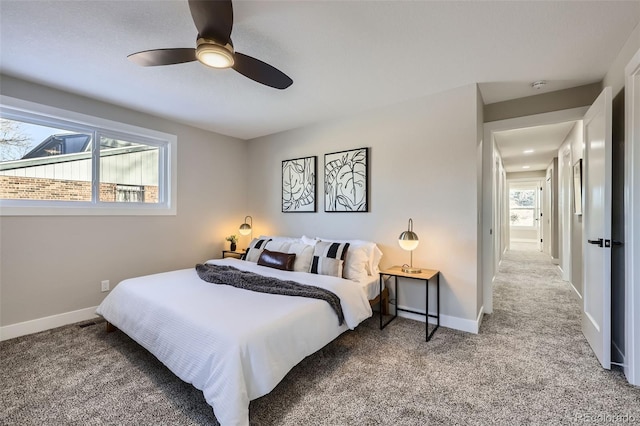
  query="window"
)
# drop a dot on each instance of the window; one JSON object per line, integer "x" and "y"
{"x": 522, "y": 204}
{"x": 128, "y": 167}
{"x": 53, "y": 165}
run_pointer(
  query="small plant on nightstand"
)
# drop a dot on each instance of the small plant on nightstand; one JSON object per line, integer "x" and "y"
{"x": 233, "y": 240}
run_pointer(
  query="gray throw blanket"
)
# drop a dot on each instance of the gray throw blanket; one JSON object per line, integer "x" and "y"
{"x": 222, "y": 274}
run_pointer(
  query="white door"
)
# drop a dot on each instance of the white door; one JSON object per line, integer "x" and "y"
{"x": 596, "y": 316}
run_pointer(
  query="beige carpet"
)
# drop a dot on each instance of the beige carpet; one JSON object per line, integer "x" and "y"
{"x": 529, "y": 365}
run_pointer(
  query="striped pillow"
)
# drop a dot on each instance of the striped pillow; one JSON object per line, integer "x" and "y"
{"x": 255, "y": 250}
{"x": 328, "y": 258}
{"x": 326, "y": 266}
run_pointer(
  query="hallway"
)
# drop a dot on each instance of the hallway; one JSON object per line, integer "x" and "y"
{"x": 530, "y": 286}
{"x": 537, "y": 317}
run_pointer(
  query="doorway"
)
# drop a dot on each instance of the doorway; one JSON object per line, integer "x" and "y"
{"x": 524, "y": 214}
{"x": 568, "y": 158}
{"x": 491, "y": 175}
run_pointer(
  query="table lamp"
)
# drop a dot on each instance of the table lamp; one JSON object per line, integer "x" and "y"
{"x": 246, "y": 228}
{"x": 408, "y": 240}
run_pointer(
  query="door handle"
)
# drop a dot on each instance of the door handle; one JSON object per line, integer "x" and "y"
{"x": 597, "y": 242}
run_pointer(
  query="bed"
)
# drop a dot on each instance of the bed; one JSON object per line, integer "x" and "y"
{"x": 233, "y": 344}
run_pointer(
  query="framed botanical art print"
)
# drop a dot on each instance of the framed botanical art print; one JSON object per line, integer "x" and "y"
{"x": 346, "y": 181}
{"x": 299, "y": 185}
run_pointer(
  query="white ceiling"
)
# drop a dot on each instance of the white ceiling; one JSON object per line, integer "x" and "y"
{"x": 543, "y": 140}
{"x": 343, "y": 56}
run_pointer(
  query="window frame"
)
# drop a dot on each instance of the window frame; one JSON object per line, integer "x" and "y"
{"x": 34, "y": 113}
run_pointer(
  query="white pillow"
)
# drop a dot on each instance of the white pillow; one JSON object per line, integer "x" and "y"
{"x": 370, "y": 247}
{"x": 355, "y": 264}
{"x": 278, "y": 238}
{"x": 308, "y": 240}
{"x": 278, "y": 245}
{"x": 377, "y": 255}
{"x": 304, "y": 255}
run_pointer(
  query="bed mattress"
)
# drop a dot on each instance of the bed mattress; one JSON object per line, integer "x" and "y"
{"x": 234, "y": 345}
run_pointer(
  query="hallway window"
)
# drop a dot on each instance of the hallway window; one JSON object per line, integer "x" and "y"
{"x": 522, "y": 203}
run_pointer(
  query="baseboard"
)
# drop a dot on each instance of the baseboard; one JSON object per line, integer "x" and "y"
{"x": 575, "y": 290}
{"x": 46, "y": 323}
{"x": 456, "y": 323}
{"x": 478, "y": 321}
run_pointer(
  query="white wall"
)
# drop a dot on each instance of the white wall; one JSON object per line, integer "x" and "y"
{"x": 552, "y": 221}
{"x": 565, "y": 206}
{"x": 479, "y": 195}
{"x": 615, "y": 75}
{"x": 423, "y": 165}
{"x": 52, "y": 265}
{"x": 572, "y": 229}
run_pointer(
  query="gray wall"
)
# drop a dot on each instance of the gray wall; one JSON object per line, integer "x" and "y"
{"x": 533, "y": 175}
{"x": 51, "y": 265}
{"x": 423, "y": 165}
{"x": 574, "y": 97}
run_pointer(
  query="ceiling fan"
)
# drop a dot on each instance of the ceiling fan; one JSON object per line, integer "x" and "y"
{"x": 214, "y": 22}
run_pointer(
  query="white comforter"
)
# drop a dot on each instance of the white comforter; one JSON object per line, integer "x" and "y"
{"x": 234, "y": 345}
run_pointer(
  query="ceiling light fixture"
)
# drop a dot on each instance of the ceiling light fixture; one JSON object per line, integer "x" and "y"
{"x": 538, "y": 84}
{"x": 526, "y": 167}
{"x": 213, "y": 54}
{"x": 527, "y": 151}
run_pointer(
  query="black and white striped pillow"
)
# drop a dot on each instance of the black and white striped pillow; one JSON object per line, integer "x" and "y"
{"x": 328, "y": 258}
{"x": 255, "y": 249}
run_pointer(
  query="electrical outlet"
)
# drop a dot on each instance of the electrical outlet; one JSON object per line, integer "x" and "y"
{"x": 105, "y": 285}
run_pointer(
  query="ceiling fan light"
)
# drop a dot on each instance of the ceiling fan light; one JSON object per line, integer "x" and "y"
{"x": 214, "y": 55}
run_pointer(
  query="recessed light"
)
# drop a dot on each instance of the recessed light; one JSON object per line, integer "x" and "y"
{"x": 525, "y": 167}
{"x": 527, "y": 151}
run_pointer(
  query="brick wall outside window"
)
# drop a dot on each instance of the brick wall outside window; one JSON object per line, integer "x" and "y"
{"x": 27, "y": 188}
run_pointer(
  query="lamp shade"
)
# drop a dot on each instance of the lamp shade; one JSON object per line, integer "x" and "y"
{"x": 245, "y": 228}
{"x": 408, "y": 240}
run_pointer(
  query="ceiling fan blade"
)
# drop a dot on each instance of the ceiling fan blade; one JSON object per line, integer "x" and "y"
{"x": 213, "y": 19}
{"x": 261, "y": 72}
{"x": 150, "y": 58}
